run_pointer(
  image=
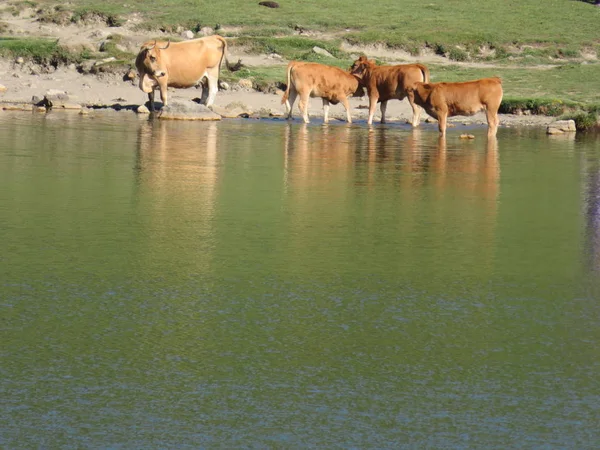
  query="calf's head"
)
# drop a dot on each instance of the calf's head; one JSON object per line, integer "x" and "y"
{"x": 361, "y": 66}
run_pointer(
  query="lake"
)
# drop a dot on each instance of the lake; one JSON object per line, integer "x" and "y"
{"x": 264, "y": 284}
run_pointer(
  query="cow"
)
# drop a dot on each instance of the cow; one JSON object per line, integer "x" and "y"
{"x": 384, "y": 83}
{"x": 332, "y": 84}
{"x": 180, "y": 65}
{"x": 443, "y": 100}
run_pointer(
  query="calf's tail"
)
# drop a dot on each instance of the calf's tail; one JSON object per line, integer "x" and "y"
{"x": 425, "y": 72}
{"x": 286, "y": 94}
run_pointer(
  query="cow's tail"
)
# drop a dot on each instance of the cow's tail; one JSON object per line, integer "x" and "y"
{"x": 231, "y": 67}
{"x": 286, "y": 94}
{"x": 425, "y": 72}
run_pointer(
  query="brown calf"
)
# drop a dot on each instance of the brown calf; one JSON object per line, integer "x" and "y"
{"x": 443, "y": 100}
{"x": 332, "y": 84}
{"x": 384, "y": 83}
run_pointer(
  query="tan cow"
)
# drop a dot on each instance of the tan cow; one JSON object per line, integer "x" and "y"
{"x": 384, "y": 83}
{"x": 443, "y": 100}
{"x": 332, "y": 84}
{"x": 180, "y": 65}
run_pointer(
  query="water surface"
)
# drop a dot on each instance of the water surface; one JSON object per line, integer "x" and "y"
{"x": 267, "y": 284}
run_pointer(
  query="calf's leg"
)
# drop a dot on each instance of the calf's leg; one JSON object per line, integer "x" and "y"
{"x": 325, "y": 110}
{"x": 346, "y": 104}
{"x": 442, "y": 116}
{"x": 416, "y": 118}
{"x": 372, "y": 105}
{"x": 289, "y": 103}
{"x": 492, "y": 120}
{"x": 303, "y": 105}
{"x": 383, "y": 109}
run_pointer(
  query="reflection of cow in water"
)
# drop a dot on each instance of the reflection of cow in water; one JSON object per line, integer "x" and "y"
{"x": 592, "y": 201}
{"x": 176, "y": 186}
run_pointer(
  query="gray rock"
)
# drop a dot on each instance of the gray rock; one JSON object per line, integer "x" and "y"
{"x": 3, "y": 88}
{"x": 207, "y": 31}
{"x": 245, "y": 83}
{"x": 130, "y": 75}
{"x": 561, "y": 126}
{"x": 17, "y": 107}
{"x": 322, "y": 52}
{"x": 54, "y": 98}
{"x": 187, "y": 34}
{"x": 70, "y": 106}
{"x": 178, "y": 110}
{"x": 142, "y": 110}
{"x": 20, "y": 60}
{"x": 224, "y": 86}
{"x": 86, "y": 66}
{"x": 231, "y": 112}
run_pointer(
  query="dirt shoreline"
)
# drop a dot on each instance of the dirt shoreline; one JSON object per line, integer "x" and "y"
{"x": 109, "y": 91}
{"x": 23, "y": 81}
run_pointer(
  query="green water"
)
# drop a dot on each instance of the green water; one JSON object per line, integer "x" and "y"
{"x": 259, "y": 284}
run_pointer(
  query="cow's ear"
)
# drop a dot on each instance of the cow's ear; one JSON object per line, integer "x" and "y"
{"x": 362, "y": 58}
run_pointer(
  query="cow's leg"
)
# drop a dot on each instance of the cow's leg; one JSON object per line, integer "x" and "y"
{"x": 289, "y": 104}
{"x": 346, "y": 104}
{"x": 213, "y": 88}
{"x": 383, "y": 109}
{"x": 151, "y": 100}
{"x": 162, "y": 84}
{"x": 204, "y": 96}
{"x": 303, "y": 105}
{"x": 325, "y": 110}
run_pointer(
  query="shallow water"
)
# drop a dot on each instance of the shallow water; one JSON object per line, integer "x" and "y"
{"x": 264, "y": 284}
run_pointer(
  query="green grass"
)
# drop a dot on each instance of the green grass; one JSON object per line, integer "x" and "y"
{"x": 394, "y": 22}
{"x": 41, "y": 51}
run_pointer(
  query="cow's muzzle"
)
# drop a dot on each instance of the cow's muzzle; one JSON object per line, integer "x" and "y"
{"x": 159, "y": 73}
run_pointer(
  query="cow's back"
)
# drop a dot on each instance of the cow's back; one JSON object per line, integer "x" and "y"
{"x": 186, "y": 62}
{"x": 208, "y": 50}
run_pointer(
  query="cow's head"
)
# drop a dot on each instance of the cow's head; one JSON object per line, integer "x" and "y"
{"x": 149, "y": 59}
{"x": 361, "y": 66}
